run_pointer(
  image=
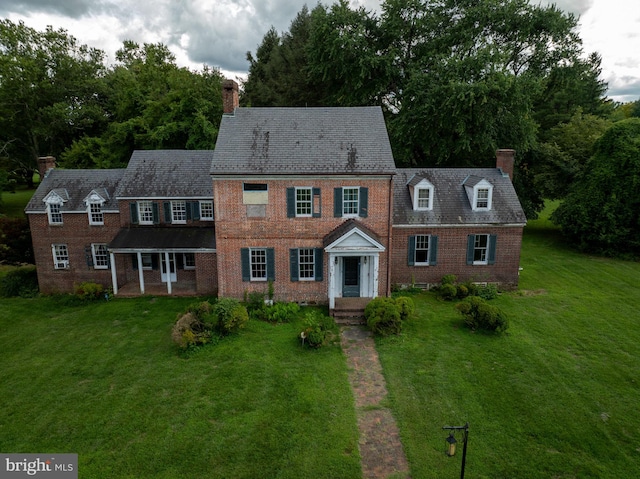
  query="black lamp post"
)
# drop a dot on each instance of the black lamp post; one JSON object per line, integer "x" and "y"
{"x": 450, "y": 443}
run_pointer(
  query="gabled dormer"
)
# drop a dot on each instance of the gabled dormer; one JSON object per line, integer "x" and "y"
{"x": 422, "y": 192}
{"x": 94, "y": 202}
{"x": 479, "y": 192}
{"x": 54, "y": 200}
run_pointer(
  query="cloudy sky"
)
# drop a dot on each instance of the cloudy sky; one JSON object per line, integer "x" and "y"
{"x": 220, "y": 32}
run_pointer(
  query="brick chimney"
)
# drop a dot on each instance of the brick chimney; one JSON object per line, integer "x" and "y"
{"x": 230, "y": 99}
{"x": 45, "y": 163}
{"x": 505, "y": 161}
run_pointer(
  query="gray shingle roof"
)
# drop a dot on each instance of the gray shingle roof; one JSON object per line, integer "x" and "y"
{"x": 178, "y": 238}
{"x": 303, "y": 141}
{"x": 75, "y": 186}
{"x": 451, "y": 204}
{"x": 167, "y": 173}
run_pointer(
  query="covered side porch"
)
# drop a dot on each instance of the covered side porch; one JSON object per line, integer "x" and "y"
{"x": 163, "y": 261}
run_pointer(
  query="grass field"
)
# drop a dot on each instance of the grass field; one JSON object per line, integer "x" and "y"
{"x": 13, "y": 203}
{"x": 556, "y": 397}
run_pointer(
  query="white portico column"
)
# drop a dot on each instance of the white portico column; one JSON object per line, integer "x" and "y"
{"x": 168, "y": 264}
{"x": 114, "y": 280}
{"x": 376, "y": 270}
{"x": 140, "y": 273}
{"x": 332, "y": 281}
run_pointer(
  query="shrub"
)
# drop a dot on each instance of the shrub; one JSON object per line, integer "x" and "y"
{"x": 281, "y": 312}
{"x": 448, "y": 291}
{"x": 189, "y": 331}
{"x": 448, "y": 279}
{"x": 317, "y": 329}
{"x": 463, "y": 291}
{"x": 478, "y": 314}
{"x": 89, "y": 291}
{"x": 230, "y": 316}
{"x": 15, "y": 241}
{"x": 383, "y": 316}
{"x": 406, "y": 306}
{"x": 201, "y": 311}
{"x": 490, "y": 291}
{"x": 19, "y": 282}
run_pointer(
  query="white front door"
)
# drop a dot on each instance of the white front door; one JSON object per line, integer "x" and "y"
{"x": 172, "y": 267}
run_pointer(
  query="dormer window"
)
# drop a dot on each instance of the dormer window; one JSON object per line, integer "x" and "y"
{"x": 421, "y": 191}
{"x": 54, "y": 201}
{"x": 55, "y": 215}
{"x": 480, "y": 192}
{"x": 94, "y": 204}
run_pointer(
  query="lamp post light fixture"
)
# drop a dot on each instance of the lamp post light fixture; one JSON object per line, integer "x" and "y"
{"x": 450, "y": 443}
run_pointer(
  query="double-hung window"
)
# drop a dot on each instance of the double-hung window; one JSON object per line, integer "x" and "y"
{"x": 96, "y": 216}
{"x": 60, "y": 256}
{"x": 482, "y": 198}
{"x": 179, "y": 211}
{"x": 257, "y": 264}
{"x": 206, "y": 210}
{"x": 306, "y": 264}
{"x": 189, "y": 261}
{"x": 55, "y": 213}
{"x": 423, "y": 250}
{"x": 100, "y": 256}
{"x": 145, "y": 212}
{"x": 350, "y": 201}
{"x": 481, "y": 249}
{"x": 304, "y": 201}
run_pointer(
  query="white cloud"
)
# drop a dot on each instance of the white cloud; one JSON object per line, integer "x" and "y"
{"x": 219, "y": 33}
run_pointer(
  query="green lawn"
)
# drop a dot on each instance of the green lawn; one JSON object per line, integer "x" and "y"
{"x": 556, "y": 397}
{"x": 13, "y": 203}
{"x": 105, "y": 381}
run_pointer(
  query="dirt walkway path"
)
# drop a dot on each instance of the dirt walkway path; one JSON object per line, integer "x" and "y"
{"x": 380, "y": 447}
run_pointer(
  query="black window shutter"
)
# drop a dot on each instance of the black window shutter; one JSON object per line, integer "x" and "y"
{"x": 271, "y": 265}
{"x": 471, "y": 242}
{"x": 318, "y": 263}
{"x": 364, "y": 202}
{"x": 337, "y": 202}
{"x": 133, "y": 207}
{"x": 188, "y": 207}
{"x": 491, "y": 256}
{"x": 293, "y": 262}
{"x": 246, "y": 269}
{"x": 134, "y": 261}
{"x": 195, "y": 210}
{"x": 291, "y": 202}
{"x": 156, "y": 214}
{"x": 316, "y": 209}
{"x": 411, "y": 259}
{"x": 88, "y": 255}
{"x": 179, "y": 261}
{"x": 433, "y": 250}
{"x": 166, "y": 206}
{"x": 154, "y": 261}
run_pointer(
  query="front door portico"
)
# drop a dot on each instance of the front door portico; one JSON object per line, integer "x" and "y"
{"x": 354, "y": 260}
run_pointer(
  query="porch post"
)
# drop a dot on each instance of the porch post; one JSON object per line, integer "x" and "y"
{"x": 168, "y": 264}
{"x": 140, "y": 273}
{"x": 376, "y": 270}
{"x": 114, "y": 280}
{"x": 332, "y": 281}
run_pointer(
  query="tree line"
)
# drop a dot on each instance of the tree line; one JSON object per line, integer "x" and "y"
{"x": 456, "y": 80}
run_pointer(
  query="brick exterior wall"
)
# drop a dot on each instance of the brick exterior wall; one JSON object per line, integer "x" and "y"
{"x": 452, "y": 248}
{"x": 236, "y": 230}
{"x": 76, "y": 233}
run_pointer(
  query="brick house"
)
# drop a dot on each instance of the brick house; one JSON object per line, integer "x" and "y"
{"x": 306, "y": 199}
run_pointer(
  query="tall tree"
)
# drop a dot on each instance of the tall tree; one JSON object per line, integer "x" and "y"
{"x": 601, "y": 212}
{"x": 152, "y": 103}
{"x": 50, "y": 93}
